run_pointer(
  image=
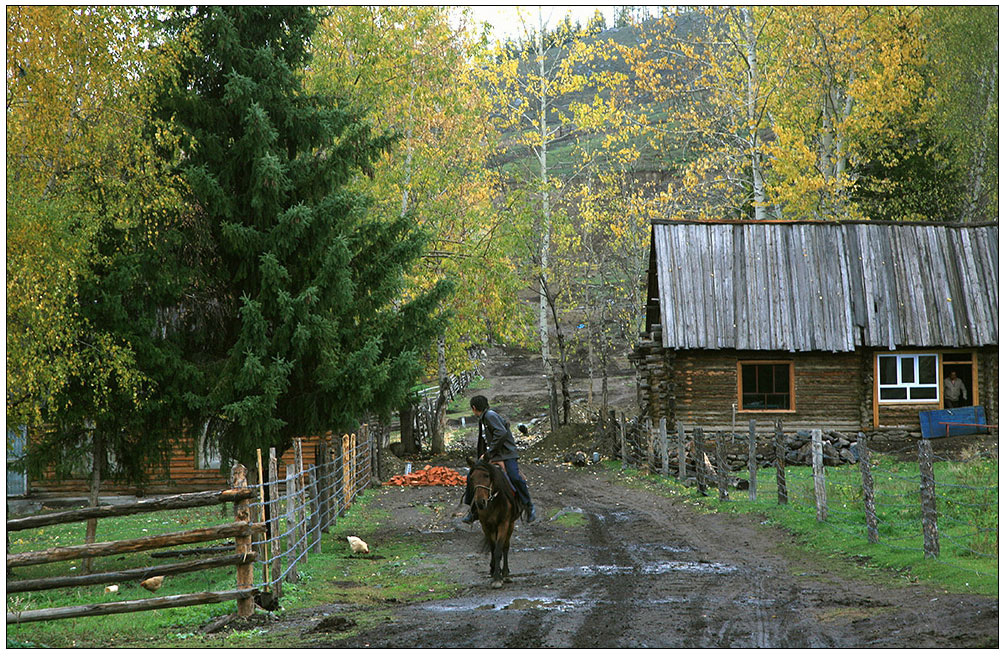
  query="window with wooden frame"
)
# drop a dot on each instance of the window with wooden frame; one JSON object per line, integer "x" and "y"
{"x": 907, "y": 378}
{"x": 765, "y": 386}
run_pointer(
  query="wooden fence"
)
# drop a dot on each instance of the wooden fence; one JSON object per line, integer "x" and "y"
{"x": 241, "y": 529}
{"x": 289, "y": 514}
{"x": 656, "y": 448}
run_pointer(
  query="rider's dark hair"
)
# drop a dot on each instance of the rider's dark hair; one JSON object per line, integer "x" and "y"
{"x": 480, "y": 403}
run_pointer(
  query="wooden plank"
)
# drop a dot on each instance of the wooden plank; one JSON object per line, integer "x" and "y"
{"x": 115, "y": 607}
{"x": 56, "y": 554}
{"x": 846, "y": 331}
{"x": 138, "y": 574}
{"x": 189, "y": 500}
{"x": 740, "y": 287}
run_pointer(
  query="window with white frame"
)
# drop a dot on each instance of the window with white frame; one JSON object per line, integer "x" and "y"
{"x": 908, "y": 378}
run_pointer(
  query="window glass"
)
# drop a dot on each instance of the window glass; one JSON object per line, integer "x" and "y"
{"x": 927, "y": 369}
{"x": 907, "y": 370}
{"x": 888, "y": 370}
{"x": 893, "y": 394}
{"x": 924, "y": 393}
{"x": 766, "y": 386}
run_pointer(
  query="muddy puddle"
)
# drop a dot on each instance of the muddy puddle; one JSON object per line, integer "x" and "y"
{"x": 657, "y": 568}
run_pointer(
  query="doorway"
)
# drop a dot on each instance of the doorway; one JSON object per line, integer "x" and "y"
{"x": 962, "y": 364}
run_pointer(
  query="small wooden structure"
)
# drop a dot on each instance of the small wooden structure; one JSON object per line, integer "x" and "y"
{"x": 191, "y": 467}
{"x": 844, "y": 325}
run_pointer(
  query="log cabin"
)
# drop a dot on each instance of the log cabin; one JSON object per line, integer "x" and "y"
{"x": 848, "y": 326}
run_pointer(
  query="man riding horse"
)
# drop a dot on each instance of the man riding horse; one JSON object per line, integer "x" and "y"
{"x": 496, "y": 444}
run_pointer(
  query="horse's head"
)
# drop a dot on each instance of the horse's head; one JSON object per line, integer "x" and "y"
{"x": 482, "y": 482}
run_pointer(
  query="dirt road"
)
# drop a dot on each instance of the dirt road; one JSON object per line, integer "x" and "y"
{"x": 641, "y": 570}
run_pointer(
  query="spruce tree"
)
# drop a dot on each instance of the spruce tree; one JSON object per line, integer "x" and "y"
{"x": 304, "y": 328}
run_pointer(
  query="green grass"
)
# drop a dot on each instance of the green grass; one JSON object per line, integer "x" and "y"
{"x": 967, "y": 508}
{"x": 334, "y": 576}
{"x": 570, "y": 519}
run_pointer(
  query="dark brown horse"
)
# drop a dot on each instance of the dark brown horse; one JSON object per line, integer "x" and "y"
{"x": 498, "y": 509}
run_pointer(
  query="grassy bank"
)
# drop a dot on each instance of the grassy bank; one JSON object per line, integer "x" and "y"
{"x": 331, "y": 577}
{"x": 967, "y": 506}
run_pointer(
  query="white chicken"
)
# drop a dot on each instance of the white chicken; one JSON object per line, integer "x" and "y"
{"x": 357, "y": 545}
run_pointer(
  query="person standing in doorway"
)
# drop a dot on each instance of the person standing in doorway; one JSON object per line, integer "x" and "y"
{"x": 955, "y": 395}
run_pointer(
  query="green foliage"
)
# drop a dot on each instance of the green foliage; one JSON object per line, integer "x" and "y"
{"x": 88, "y": 198}
{"x": 302, "y": 325}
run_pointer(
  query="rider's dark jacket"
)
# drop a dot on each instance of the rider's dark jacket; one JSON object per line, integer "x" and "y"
{"x": 495, "y": 437}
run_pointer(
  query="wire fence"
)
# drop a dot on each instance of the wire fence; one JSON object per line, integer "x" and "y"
{"x": 944, "y": 506}
{"x": 300, "y": 504}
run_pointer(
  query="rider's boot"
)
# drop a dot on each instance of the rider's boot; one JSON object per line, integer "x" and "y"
{"x": 470, "y": 517}
{"x": 530, "y": 515}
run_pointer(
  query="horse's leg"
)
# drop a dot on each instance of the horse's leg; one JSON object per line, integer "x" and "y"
{"x": 495, "y": 573}
{"x": 488, "y": 532}
{"x": 506, "y": 551}
{"x": 499, "y": 553}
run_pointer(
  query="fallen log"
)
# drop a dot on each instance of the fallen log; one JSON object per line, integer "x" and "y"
{"x": 189, "y": 500}
{"x": 112, "y": 608}
{"x": 56, "y": 554}
{"x": 124, "y": 575}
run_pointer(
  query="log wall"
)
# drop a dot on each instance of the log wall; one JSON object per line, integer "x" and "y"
{"x": 826, "y": 388}
{"x": 180, "y": 476}
{"x": 833, "y": 391}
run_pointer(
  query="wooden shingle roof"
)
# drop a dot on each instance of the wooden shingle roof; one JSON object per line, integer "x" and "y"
{"x": 817, "y": 286}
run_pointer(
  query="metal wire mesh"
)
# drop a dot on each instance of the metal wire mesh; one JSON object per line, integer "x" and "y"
{"x": 301, "y": 505}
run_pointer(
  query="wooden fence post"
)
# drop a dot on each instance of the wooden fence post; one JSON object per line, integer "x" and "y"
{"x": 263, "y": 546}
{"x": 242, "y": 513}
{"x": 292, "y": 523}
{"x": 721, "y": 467}
{"x": 277, "y": 548}
{"x": 682, "y": 473}
{"x": 752, "y": 462}
{"x": 665, "y": 460}
{"x": 700, "y": 459}
{"x": 780, "y": 465}
{"x": 820, "y": 492}
{"x": 347, "y": 465}
{"x": 354, "y": 470}
{"x": 869, "y": 504}
{"x": 927, "y": 495}
{"x": 649, "y": 446}
{"x": 315, "y": 506}
{"x": 621, "y": 431}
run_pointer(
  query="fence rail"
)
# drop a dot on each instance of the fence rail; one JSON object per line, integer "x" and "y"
{"x": 906, "y": 500}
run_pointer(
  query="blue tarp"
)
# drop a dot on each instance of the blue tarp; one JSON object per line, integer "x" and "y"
{"x": 932, "y": 426}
